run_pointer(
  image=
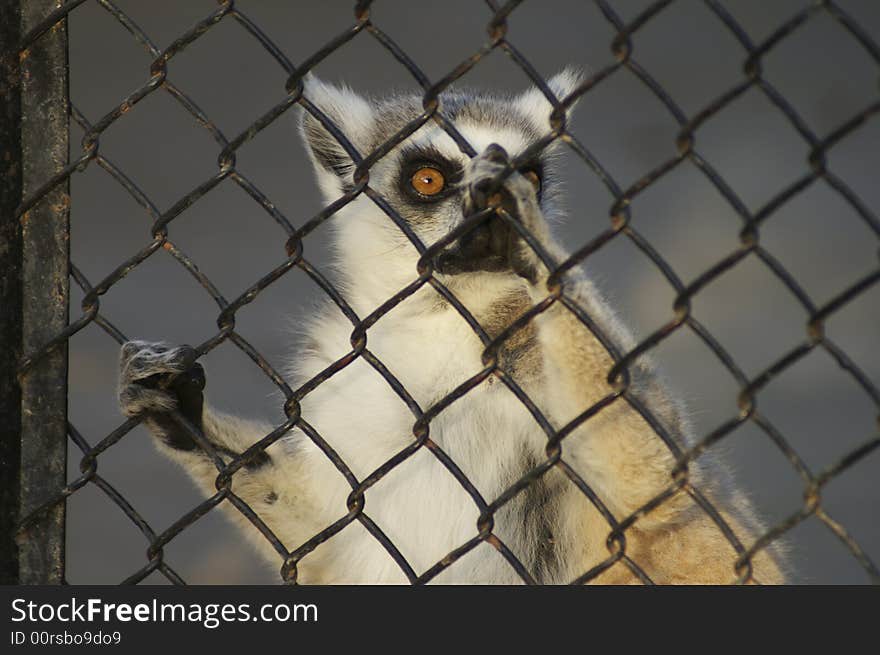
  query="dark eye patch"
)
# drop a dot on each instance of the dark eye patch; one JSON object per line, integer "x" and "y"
{"x": 415, "y": 158}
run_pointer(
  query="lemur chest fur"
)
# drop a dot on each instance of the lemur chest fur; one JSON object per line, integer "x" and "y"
{"x": 487, "y": 432}
{"x": 432, "y": 351}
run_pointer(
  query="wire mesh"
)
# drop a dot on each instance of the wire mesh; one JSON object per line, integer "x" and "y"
{"x": 620, "y": 227}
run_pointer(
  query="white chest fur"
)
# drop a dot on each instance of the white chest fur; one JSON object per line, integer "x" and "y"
{"x": 419, "y": 504}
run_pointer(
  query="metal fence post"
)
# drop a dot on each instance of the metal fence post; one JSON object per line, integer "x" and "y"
{"x": 34, "y": 248}
{"x": 10, "y": 286}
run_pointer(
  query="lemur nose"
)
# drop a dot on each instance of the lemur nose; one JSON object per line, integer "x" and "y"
{"x": 496, "y": 154}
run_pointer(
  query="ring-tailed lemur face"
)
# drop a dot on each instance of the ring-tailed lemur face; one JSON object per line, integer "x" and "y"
{"x": 424, "y": 178}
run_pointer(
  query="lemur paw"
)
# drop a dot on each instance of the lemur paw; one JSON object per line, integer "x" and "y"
{"x": 156, "y": 378}
{"x": 518, "y": 196}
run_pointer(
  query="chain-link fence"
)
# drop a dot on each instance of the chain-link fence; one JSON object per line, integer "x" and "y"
{"x": 37, "y": 201}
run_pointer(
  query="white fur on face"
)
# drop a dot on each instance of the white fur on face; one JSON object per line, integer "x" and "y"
{"x": 356, "y": 116}
{"x": 376, "y": 258}
{"x": 479, "y": 136}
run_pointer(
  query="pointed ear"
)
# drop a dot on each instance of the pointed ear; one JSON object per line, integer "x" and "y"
{"x": 535, "y": 106}
{"x": 351, "y": 113}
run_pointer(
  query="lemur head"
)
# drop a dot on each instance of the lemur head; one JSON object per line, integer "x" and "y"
{"x": 421, "y": 178}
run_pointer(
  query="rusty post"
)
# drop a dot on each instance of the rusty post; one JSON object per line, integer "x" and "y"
{"x": 34, "y": 288}
{"x": 10, "y": 286}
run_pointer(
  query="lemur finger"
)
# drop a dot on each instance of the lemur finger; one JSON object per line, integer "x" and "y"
{"x": 137, "y": 400}
{"x": 517, "y": 196}
{"x": 140, "y": 360}
{"x": 516, "y": 193}
{"x": 157, "y": 378}
{"x": 188, "y": 388}
{"x": 523, "y": 259}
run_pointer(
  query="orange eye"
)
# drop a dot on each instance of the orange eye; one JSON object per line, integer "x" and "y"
{"x": 534, "y": 178}
{"x": 428, "y": 181}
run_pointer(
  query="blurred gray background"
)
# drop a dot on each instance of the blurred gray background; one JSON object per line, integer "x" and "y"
{"x": 821, "y": 69}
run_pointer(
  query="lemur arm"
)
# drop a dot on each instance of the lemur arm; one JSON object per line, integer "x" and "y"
{"x": 155, "y": 378}
{"x": 627, "y": 462}
{"x": 616, "y": 450}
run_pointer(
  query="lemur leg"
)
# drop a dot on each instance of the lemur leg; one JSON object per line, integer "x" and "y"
{"x": 155, "y": 378}
{"x": 616, "y": 451}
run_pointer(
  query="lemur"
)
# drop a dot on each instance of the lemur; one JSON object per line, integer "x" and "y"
{"x": 550, "y": 526}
